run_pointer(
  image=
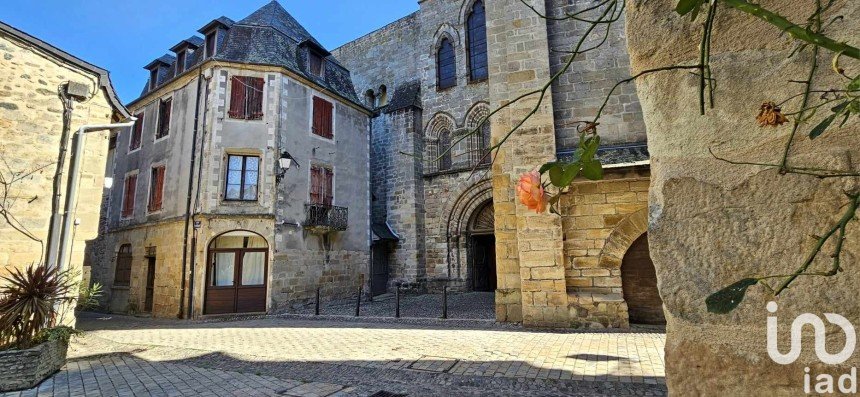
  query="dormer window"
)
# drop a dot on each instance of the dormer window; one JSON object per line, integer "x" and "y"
{"x": 180, "y": 62}
{"x": 211, "y": 42}
{"x": 153, "y": 78}
{"x": 316, "y": 63}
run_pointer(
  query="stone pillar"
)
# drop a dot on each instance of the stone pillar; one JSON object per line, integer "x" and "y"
{"x": 713, "y": 223}
{"x": 530, "y": 266}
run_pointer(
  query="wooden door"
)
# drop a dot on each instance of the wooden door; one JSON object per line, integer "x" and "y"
{"x": 484, "y": 263}
{"x": 236, "y": 281}
{"x": 150, "y": 285}
{"x": 379, "y": 282}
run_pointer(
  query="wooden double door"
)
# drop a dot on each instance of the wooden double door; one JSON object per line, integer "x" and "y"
{"x": 236, "y": 281}
{"x": 484, "y": 263}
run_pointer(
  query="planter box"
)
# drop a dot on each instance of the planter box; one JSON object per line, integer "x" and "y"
{"x": 25, "y": 369}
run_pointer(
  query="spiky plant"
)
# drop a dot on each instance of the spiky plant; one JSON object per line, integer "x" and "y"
{"x": 29, "y": 301}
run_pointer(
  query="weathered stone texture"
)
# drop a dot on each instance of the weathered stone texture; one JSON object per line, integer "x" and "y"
{"x": 713, "y": 223}
{"x": 579, "y": 92}
{"x": 31, "y": 121}
{"x": 23, "y": 369}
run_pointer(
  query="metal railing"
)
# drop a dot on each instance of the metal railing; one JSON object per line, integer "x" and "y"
{"x": 326, "y": 218}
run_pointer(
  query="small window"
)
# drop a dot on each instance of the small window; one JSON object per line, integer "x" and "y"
{"x": 444, "y": 156}
{"x": 156, "y": 189}
{"x": 322, "y": 185}
{"x": 323, "y": 122}
{"x": 136, "y": 134}
{"x": 211, "y": 43}
{"x": 246, "y": 98}
{"x": 164, "y": 109}
{"x": 477, "y": 38}
{"x": 122, "y": 275}
{"x": 129, "y": 191}
{"x": 153, "y": 78}
{"x": 382, "y": 99}
{"x": 446, "y": 65}
{"x": 180, "y": 63}
{"x": 316, "y": 63}
{"x": 242, "y": 176}
{"x": 370, "y": 98}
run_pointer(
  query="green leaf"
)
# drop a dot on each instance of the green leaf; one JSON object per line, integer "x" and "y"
{"x": 556, "y": 174}
{"x": 548, "y": 166}
{"x": 854, "y": 84}
{"x": 727, "y": 299}
{"x": 589, "y": 148}
{"x": 821, "y": 127}
{"x": 570, "y": 173}
{"x": 593, "y": 170}
{"x": 685, "y": 6}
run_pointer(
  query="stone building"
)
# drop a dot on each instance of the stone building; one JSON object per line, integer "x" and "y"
{"x": 46, "y": 95}
{"x": 440, "y": 209}
{"x": 447, "y": 218}
{"x": 243, "y": 187}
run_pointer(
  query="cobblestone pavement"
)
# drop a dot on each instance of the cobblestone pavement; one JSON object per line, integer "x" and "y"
{"x": 277, "y": 356}
{"x": 470, "y": 306}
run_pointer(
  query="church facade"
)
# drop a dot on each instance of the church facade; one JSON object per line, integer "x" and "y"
{"x": 430, "y": 205}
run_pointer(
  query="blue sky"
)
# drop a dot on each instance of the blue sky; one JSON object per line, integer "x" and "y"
{"x": 123, "y": 36}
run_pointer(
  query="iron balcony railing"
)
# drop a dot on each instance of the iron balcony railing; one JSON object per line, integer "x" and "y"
{"x": 326, "y": 218}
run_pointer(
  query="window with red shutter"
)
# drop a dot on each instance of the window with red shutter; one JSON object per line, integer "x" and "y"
{"x": 156, "y": 189}
{"x": 329, "y": 187}
{"x": 136, "y": 134}
{"x": 246, "y": 98}
{"x": 316, "y": 185}
{"x": 322, "y": 185}
{"x": 128, "y": 196}
{"x": 322, "y": 118}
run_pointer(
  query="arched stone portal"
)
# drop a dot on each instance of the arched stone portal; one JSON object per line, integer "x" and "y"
{"x": 639, "y": 283}
{"x": 482, "y": 248}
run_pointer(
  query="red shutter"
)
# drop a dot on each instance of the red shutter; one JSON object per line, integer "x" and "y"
{"x": 157, "y": 193}
{"x": 128, "y": 200}
{"x": 329, "y": 187}
{"x": 323, "y": 118}
{"x": 237, "y": 98}
{"x": 317, "y": 125}
{"x": 316, "y": 184}
{"x": 327, "y": 120}
{"x": 256, "y": 103}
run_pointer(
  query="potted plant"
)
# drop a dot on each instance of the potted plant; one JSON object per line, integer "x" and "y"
{"x": 33, "y": 341}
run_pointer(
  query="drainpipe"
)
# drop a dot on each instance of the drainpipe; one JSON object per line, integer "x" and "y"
{"x": 74, "y": 179}
{"x": 190, "y": 284}
{"x": 56, "y": 210}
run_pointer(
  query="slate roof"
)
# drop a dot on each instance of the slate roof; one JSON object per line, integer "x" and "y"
{"x": 271, "y": 36}
{"x": 615, "y": 156}
{"x": 193, "y": 41}
{"x": 406, "y": 95}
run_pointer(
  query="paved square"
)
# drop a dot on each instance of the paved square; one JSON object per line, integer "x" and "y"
{"x": 124, "y": 356}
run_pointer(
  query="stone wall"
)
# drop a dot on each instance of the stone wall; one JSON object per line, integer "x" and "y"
{"x": 31, "y": 120}
{"x": 25, "y": 369}
{"x": 713, "y": 223}
{"x": 580, "y": 91}
{"x": 601, "y": 220}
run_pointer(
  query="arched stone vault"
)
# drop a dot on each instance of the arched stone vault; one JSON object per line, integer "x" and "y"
{"x": 622, "y": 237}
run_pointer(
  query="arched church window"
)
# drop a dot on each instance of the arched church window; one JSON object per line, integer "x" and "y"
{"x": 370, "y": 98}
{"x": 444, "y": 149}
{"x": 382, "y": 97}
{"x": 446, "y": 65}
{"x": 476, "y": 37}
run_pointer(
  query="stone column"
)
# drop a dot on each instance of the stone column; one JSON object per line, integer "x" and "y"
{"x": 713, "y": 223}
{"x": 530, "y": 266}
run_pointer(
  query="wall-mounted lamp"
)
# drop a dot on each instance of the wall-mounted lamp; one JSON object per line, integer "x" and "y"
{"x": 285, "y": 162}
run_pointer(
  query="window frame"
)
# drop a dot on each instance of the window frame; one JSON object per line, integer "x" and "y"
{"x": 316, "y": 55}
{"x": 439, "y": 86}
{"x": 248, "y": 84}
{"x": 333, "y": 124}
{"x": 137, "y": 132}
{"x": 180, "y": 62}
{"x": 469, "y": 43}
{"x": 242, "y": 183}
{"x": 210, "y": 45}
{"x": 153, "y": 78}
{"x": 330, "y": 169}
{"x": 121, "y": 255}
{"x": 152, "y": 189}
{"x": 128, "y": 213}
{"x": 159, "y": 125}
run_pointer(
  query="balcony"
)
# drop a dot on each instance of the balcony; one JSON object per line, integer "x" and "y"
{"x": 323, "y": 218}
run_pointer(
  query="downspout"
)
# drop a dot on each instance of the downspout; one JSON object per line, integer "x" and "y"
{"x": 74, "y": 179}
{"x": 56, "y": 213}
{"x": 182, "y": 312}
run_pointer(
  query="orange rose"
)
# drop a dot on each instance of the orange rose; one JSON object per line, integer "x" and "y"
{"x": 531, "y": 192}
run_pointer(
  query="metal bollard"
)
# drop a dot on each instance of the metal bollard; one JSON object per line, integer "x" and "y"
{"x": 358, "y": 303}
{"x": 397, "y": 302}
{"x": 445, "y": 302}
{"x": 317, "y": 303}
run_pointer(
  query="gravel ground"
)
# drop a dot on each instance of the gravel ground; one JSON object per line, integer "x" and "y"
{"x": 465, "y": 306}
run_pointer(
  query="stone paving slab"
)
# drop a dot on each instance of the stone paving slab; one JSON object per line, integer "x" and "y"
{"x": 274, "y": 356}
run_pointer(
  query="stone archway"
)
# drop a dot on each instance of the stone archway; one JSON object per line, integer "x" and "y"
{"x": 622, "y": 237}
{"x": 482, "y": 248}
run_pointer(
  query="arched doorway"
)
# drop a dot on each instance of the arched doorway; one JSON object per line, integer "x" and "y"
{"x": 639, "y": 283}
{"x": 237, "y": 274}
{"x": 482, "y": 254}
